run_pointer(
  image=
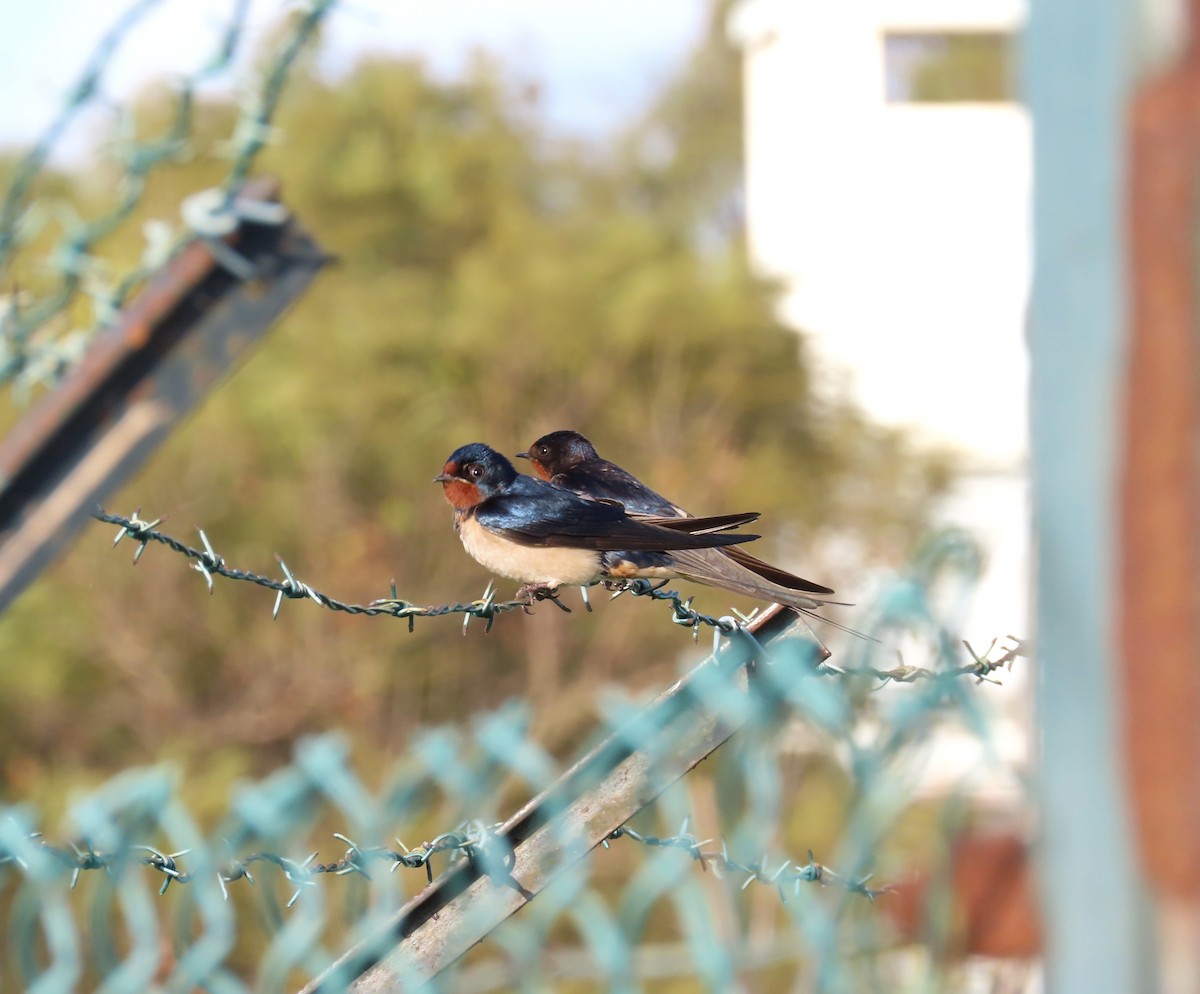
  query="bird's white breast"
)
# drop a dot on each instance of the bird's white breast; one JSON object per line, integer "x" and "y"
{"x": 549, "y": 567}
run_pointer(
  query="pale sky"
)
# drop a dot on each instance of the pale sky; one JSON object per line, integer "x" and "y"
{"x": 597, "y": 61}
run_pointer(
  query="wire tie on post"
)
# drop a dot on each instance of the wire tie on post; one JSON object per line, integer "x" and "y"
{"x": 214, "y": 215}
{"x": 725, "y": 626}
{"x": 759, "y": 651}
{"x": 209, "y": 213}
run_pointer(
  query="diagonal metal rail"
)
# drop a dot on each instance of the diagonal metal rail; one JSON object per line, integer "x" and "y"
{"x": 556, "y": 829}
{"x": 169, "y": 347}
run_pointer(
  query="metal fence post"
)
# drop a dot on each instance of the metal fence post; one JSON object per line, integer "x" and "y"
{"x": 1078, "y": 62}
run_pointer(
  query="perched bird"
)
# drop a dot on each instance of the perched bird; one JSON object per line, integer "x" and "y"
{"x": 519, "y": 527}
{"x": 569, "y": 461}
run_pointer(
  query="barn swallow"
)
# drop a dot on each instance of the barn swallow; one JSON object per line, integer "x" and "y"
{"x": 525, "y": 529}
{"x": 566, "y": 459}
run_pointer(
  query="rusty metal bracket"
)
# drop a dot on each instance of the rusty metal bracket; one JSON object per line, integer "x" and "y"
{"x": 169, "y": 347}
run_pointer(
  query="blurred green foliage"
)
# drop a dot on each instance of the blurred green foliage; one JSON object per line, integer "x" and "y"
{"x": 494, "y": 282}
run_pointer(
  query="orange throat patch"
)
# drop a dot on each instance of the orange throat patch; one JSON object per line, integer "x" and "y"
{"x": 461, "y": 495}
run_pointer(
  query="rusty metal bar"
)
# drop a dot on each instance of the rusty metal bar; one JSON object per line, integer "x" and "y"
{"x": 1159, "y": 614}
{"x": 552, "y": 832}
{"x": 170, "y": 346}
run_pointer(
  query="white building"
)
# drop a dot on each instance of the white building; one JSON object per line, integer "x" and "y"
{"x": 900, "y": 230}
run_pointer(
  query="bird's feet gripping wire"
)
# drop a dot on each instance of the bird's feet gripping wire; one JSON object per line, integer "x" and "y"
{"x": 534, "y": 592}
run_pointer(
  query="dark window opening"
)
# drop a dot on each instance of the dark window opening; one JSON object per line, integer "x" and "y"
{"x": 949, "y": 67}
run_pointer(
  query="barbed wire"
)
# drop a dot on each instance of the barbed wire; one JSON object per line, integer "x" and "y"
{"x": 788, "y": 872}
{"x": 209, "y": 564}
{"x": 27, "y": 358}
{"x": 470, "y": 840}
{"x": 981, "y": 666}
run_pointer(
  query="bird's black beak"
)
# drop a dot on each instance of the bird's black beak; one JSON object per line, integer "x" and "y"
{"x": 444, "y": 478}
{"x": 522, "y": 455}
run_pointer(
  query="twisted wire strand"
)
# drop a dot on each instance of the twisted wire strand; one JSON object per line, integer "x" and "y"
{"x": 468, "y": 840}
{"x": 982, "y": 666}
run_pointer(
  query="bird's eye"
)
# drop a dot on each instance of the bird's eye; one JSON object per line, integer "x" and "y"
{"x": 543, "y": 450}
{"x": 475, "y": 471}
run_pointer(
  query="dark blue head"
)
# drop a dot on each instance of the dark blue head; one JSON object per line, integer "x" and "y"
{"x": 473, "y": 473}
{"x": 558, "y": 452}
